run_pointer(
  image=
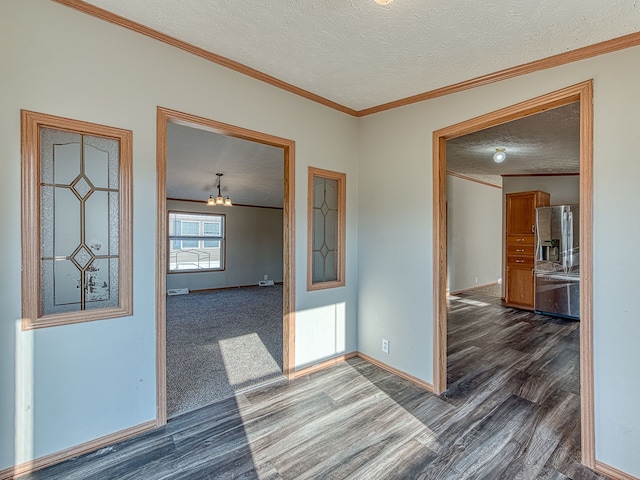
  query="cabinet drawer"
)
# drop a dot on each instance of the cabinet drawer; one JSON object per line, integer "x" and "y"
{"x": 520, "y": 240}
{"x": 520, "y": 261}
{"x": 524, "y": 249}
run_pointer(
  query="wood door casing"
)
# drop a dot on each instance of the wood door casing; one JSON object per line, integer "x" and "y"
{"x": 583, "y": 93}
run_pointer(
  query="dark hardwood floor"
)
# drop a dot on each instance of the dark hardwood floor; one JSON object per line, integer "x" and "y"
{"x": 512, "y": 411}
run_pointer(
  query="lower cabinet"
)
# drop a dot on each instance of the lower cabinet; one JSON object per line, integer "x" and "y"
{"x": 519, "y": 286}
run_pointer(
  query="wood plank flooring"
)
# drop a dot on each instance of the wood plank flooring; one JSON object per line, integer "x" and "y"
{"x": 512, "y": 411}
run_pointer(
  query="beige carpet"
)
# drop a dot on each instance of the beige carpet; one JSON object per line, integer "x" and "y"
{"x": 221, "y": 342}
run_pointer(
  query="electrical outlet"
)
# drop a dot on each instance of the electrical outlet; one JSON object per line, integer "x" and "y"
{"x": 476, "y": 280}
{"x": 266, "y": 277}
{"x": 385, "y": 345}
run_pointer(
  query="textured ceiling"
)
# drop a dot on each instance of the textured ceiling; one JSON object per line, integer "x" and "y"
{"x": 361, "y": 54}
{"x": 545, "y": 143}
{"x": 253, "y": 173}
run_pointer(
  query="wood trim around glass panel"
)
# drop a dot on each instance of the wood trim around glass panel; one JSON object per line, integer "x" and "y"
{"x": 583, "y": 93}
{"x": 341, "y": 178}
{"x": 32, "y": 122}
{"x": 165, "y": 116}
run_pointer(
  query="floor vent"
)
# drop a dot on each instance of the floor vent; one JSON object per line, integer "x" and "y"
{"x": 177, "y": 291}
{"x": 265, "y": 283}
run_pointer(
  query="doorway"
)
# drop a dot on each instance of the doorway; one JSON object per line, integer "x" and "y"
{"x": 582, "y": 93}
{"x": 165, "y": 117}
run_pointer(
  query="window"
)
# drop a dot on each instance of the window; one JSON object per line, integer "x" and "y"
{"x": 76, "y": 221}
{"x": 189, "y": 229}
{"x": 196, "y": 242}
{"x": 213, "y": 229}
{"x": 326, "y": 229}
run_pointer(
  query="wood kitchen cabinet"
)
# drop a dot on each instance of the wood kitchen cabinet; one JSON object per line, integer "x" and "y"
{"x": 520, "y": 247}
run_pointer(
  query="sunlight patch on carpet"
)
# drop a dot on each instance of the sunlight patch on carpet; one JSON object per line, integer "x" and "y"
{"x": 247, "y": 361}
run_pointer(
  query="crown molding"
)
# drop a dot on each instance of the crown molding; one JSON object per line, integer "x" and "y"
{"x": 201, "y": 52}
{"x": 471, "y": 179}
{"x": 608, "y": 46}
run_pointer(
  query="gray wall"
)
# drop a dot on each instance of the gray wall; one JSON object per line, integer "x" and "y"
{"x": 253, "y": 239}
{"x": 63, "y": 386}
{"x": 563, "y": 189}
{"x": 474, "y": 234}
{"x": 401, "y": 308}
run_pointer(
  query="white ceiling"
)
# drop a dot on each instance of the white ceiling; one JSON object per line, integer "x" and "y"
{"x": 253, "y": 173}
{"x": 360, "y": 54}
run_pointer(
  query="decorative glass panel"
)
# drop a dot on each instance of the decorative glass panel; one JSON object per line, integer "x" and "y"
{"x": 76, "y": 221}
{"x": 97, "y": 223}
{"x": 96, "y": 166}
{"x": 325, "y": 228}
{"x": 326, "y": 235}
{"x": 79, "y": 221}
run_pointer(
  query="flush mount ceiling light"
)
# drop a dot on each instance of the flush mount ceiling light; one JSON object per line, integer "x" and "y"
{"x": 226, "y": 201}
{"x": 499, "y": 156}
{"x": 383, "y": 2}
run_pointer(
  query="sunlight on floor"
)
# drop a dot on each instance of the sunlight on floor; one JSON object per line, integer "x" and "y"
{"x": 468, "y": 301}
{"x": 247, "y": 361}
{"x": 396, "y": 421}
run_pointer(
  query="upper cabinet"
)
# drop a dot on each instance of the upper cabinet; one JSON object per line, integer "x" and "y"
{"x": 521, "y": 211}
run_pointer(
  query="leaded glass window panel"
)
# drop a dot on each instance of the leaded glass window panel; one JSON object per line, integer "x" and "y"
{"x": 79, "y": 172}
{"x": 76, "y": 221}
{"x": 326, "y": 229}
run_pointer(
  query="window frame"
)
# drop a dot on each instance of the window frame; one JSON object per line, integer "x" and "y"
{"x": 341, "y": 179}
{"x": 201, "y": 240}
{"x": 31, "y": 124}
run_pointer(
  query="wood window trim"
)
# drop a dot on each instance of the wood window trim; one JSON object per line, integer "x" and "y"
{"x": 31, "y": 123}
{"x": 341, "y": 178}
{"x": 223, "y": 250}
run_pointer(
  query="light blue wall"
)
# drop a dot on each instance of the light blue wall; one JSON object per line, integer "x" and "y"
{"x": 63, "y": 386}
{"x": 402, "y": 306}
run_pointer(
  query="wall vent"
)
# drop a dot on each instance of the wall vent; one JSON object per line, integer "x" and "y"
{"x": 177, "y": 291}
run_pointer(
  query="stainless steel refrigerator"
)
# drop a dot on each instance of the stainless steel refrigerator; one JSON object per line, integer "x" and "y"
{"x": 557, "y": 261}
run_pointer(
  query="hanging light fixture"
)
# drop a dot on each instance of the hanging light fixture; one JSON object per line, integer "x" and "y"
{"x": 226, "y": 201}
{"x": 499, "y": 156}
